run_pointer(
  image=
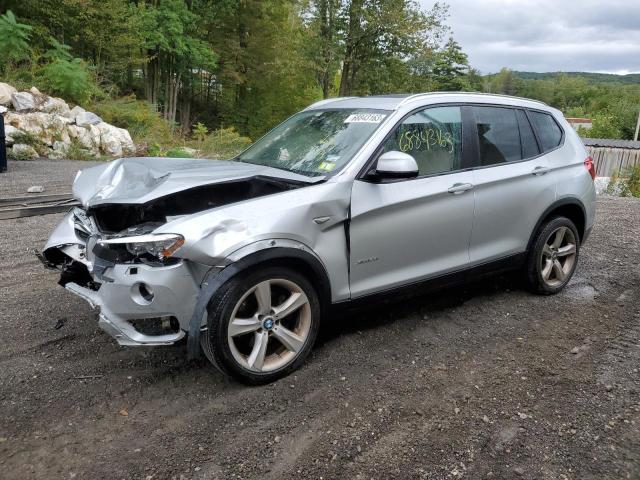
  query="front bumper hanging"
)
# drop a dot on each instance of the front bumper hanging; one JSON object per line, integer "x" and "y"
{"x": 140, "y": 304}
{"x": 139, "y": 292}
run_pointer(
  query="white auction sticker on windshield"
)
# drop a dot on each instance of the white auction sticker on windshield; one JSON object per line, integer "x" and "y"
{"x": 365, "y": 118}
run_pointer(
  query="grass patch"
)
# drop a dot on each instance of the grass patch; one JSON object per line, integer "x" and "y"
{"x": 26, "y": 138}
{"x": 625, "y": 184}
{"x": 221, "y": 144}
{"x": 76, "y": 151}
{"x": 20, "y": 157}
{"x": 178, "y": 152}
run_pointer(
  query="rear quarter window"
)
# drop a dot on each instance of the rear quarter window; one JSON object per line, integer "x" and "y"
{"x": 527, "y": 138}
{"x": 548, "y": 130}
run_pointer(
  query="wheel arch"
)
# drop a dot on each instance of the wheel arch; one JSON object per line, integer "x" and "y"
{"x": 298, "y": 259}
{"x": 572, "y": 208}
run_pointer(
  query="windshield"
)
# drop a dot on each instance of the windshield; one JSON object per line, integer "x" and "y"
{"x": 315, "y": 142}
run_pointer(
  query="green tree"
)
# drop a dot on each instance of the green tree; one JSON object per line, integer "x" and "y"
{"x": 14, "y": 40}
{"x": 262, "y": 75}
{"x": 625, "y": 109}
{"x": 58, "y": 51}
{"x": 451, "y": 68}
{"x": 243, "y": 64}
{"x": 603, "y": 126}
{"x": 505, "y": 83}
{"x": 177, "y": 57}
{"x": 385, "y": 34}
{"x": 105, "y": 33}
{"x": 69, "y": 78}
{"x": 323, "y": 43}
{"x": 476, "y": 82}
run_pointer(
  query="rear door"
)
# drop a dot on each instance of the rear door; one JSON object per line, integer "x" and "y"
{"x": 513, "y": 186}
{"x": 405, "y": 231}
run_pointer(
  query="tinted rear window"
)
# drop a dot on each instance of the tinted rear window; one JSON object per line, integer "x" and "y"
{"x": 549, "y": 133}
{"x": 498, "y": 135}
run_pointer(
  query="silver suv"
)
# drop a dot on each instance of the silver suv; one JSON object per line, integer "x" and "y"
{"x": 349, "y": 198}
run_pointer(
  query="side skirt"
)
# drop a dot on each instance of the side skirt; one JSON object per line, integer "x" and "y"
{"x": 422, "y": 287}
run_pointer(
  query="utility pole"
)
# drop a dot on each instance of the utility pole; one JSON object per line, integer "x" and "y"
{"x": 635, "y": 137}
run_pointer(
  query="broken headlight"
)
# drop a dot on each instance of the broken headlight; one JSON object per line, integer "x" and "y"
{"x": 160, "y": 245}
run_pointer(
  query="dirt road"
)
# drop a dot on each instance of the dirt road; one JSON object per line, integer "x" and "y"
{"x": 482, "y": 381}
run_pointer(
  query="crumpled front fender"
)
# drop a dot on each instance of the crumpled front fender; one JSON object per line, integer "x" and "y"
{"x": 63, "y": 234}
{"x": 313, "y": 217}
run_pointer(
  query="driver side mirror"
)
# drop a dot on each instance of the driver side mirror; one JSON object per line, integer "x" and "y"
{"x": 396, "y": 165}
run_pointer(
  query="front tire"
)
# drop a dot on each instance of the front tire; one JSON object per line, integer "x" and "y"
{"x": 262, "y": 324}
{"x": 553, "y": 257}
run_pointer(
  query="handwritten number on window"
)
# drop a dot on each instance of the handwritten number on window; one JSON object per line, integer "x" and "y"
{"x": 425, "y": 139}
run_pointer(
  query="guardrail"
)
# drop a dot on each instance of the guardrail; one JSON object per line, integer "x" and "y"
{"x": 28, "y": 206}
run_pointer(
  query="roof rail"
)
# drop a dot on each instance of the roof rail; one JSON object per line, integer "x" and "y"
{"x": 327, "y": 100}
{"x": 429, "y": 94}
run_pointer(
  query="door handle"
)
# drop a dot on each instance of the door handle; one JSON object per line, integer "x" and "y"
{"x": 540, "y": 170}
{"x": 458, "y": 188}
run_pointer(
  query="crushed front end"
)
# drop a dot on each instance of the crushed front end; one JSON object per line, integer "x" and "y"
{"x": 145, "y": 295}
{"x": 150, "y": 230}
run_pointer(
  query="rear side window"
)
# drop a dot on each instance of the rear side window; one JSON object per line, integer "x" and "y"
{"x": 528, "y": 140}
{"x": 549, "y": 133}
{"x": 498, "y": 135}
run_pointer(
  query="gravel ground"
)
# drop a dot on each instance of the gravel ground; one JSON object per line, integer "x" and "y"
{"x": 55, "y": 178}
{"x": 482, "y": 381}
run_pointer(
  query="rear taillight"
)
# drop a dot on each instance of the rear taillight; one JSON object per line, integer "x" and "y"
{"x": 590, "y": 167}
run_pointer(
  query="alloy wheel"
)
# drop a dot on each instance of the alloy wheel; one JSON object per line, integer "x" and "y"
{"x": 558, "y": 256}
{"x": 270, "y": 325}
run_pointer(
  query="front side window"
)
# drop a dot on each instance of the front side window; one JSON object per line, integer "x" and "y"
{"x": 498, "y": 135}
{"x": 433, "y": 137}
{"x": 549, "y": 133}
{"x": 315, "y": 142}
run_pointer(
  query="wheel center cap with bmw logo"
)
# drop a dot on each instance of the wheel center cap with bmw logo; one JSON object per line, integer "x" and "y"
{"x": 268, "y": 323}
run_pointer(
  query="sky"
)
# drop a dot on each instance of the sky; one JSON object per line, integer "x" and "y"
{"x": 548, "y": 35}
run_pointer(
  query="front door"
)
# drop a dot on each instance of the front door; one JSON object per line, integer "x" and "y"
{"x": 406, "y": 231}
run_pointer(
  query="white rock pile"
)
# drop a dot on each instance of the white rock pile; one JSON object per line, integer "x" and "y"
{"x": 57, "y": 127}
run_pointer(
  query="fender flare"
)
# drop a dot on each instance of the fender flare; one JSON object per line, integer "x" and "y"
{"x": 563, "y": 202}
{"x": 215, "y": 278}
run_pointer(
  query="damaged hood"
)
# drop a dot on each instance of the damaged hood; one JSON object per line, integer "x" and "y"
{"x": 140, "y": 180}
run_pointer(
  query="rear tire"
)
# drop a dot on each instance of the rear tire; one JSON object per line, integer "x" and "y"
{"x": 553, "y": 257}
{"x": 261, "y": 324}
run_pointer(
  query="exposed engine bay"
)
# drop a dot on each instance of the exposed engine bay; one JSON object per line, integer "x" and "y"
{"x": 133, "y": 219}
{"x": 97, "y": 226}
